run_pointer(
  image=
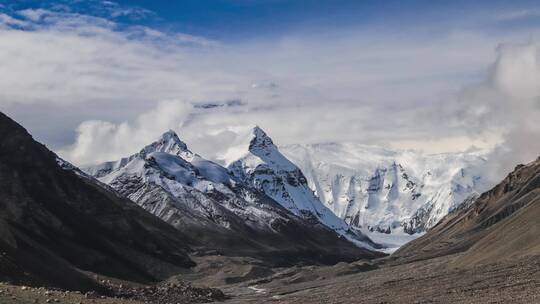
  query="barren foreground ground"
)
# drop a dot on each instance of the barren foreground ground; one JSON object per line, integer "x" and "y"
{"x": 428, "y": 281}
{"x": 419, "y": 282}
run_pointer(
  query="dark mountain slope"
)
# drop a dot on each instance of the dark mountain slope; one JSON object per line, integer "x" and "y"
{"x": 54, "y": 223}
{"x": 503, "y": 223}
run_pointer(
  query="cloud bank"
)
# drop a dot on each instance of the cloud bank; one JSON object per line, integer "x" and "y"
{"x": 107, "y": 140}
{"x": 95, "y": 89}
{"x": 507, "y": 102}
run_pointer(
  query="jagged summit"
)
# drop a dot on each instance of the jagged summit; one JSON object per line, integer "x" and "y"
{"x": 249, "y": 140}
{"x": 169, "y": 142}
{"x": 260, "y": 139}
{"x": 172, "y": 136}
{"x": 266, "y": 169}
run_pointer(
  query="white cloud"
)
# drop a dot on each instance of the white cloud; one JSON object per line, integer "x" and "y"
{"x": 518, "y": 14}
{"x": 508, "y": 102}
{"x": 102, "y": 141}
{"x": 34, "y": 15}
{"x": 83, "y": 59}
{"x": 391, "y": 89}
{"x": 6, "y": 21}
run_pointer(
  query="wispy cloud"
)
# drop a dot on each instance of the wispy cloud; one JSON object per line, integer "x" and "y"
{"x": 518, "y": 14}
{"x": 9, "y": 21}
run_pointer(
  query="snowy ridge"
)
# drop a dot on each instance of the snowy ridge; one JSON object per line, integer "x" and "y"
{"x": 264, "y": 167}
{"x": 190, "y": 192}
{"x": 169, "y": 143}
{"x": 385, "y": 191}
{"x": 355, "y": 190}
{"x": 185, "y": 182}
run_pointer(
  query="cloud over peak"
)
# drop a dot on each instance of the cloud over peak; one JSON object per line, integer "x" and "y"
{"x": 121, "y": 84}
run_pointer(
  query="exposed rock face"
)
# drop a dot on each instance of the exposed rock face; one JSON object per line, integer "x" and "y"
{"x": 501, "y": 224}
{"x": 55, "y": 222}
{"x": 221, "y": 210}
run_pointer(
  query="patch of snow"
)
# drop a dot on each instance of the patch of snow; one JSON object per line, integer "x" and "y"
{"x": 256, "y": 289}
{"x": 392, "y": 241}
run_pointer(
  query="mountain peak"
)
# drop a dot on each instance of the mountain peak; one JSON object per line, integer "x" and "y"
{"x": 168, "y": 142}
{"x": 260, "y": 139}
{"x": 170, "y": 135}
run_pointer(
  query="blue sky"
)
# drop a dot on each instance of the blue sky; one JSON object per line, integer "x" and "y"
{"x": 249, "y": 19}
{"x": 428, "y": 75}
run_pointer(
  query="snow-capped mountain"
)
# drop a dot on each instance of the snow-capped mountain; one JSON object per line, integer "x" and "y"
{"x": 203, "y": 199}
{"x": 385, "y": 191}
{"x": 263, "y": 167}
{"x": 355, "y": 190}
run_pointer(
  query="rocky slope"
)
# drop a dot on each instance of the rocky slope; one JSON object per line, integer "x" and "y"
{"x": 204, "y": 200}
{"x": 386, "y": 191}
{"x": 501, "y": 224}
{"x": 56, "y": 225}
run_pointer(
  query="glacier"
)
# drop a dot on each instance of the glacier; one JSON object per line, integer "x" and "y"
{"x": 393, "y": 196}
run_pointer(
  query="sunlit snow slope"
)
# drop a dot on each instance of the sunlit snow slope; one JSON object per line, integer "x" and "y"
{"x": 393, "y": 195}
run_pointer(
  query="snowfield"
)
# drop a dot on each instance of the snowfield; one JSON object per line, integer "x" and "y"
{"x": 388, "y": 193}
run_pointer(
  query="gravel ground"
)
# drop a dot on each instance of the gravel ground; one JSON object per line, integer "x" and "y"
{"x": 420, "y": 282}
{"x": 27, "y": 295}
{"x": 170, "y": 292}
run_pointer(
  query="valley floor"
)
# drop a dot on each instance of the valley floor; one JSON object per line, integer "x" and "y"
{"x": 429, "y": 281}
{"x": 418, "y": 282}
